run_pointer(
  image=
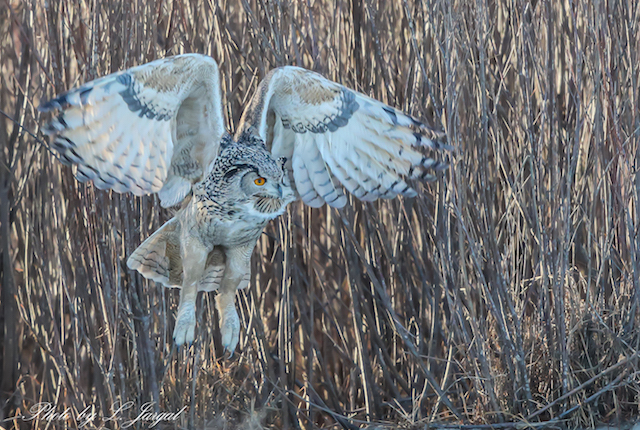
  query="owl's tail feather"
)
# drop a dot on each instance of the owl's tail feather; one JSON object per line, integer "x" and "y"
{"x": 159, "y": 259}
{"x": 216, "y": 262}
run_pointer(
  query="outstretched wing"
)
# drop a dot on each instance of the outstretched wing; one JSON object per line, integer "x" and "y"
{"x": 151, "y": 128}
{"x": 332, "y": 135}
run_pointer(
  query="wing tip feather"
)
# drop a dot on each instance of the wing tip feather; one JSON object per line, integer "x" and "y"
{"x": 59, "y": 102}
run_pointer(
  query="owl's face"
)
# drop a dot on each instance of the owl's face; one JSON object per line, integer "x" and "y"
{"x": 266, "y": 188}
{"x": 255, "y": 184}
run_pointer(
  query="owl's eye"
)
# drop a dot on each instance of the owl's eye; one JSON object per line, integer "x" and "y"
{"x": 260, "y": 181}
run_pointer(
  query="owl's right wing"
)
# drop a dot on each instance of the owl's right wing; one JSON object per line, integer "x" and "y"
{"x": 334, "y": 137}
{"x": 154, "y": 128}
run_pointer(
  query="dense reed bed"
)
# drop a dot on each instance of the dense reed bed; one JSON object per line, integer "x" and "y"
{"x": 507, "y": 294}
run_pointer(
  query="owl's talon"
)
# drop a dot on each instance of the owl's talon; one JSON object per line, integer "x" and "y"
{"x": 184, "y": 331}
{"x": 230, "y": 330}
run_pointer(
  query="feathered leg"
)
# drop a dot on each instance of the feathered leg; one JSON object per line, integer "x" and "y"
{"x": 194, "y": 260}
{"x": 237, "y": 268}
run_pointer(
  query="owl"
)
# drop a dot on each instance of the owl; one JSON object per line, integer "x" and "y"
{"x": 159, "y": 128}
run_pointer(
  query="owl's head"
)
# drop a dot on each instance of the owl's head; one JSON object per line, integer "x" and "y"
{"x": 253, "y": 181}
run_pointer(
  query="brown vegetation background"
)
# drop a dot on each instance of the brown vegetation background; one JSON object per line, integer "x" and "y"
{"x": 507, "y": 293}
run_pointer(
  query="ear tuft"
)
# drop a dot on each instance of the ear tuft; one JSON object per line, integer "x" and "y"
{"x": 224, "y": 142}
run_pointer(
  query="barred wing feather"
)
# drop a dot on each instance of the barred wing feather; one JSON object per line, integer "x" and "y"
{"x": 334, "y": 137}
{"x": 154, "y": 128}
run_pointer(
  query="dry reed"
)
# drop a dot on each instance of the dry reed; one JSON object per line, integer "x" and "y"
{"x": 507, "y": 294}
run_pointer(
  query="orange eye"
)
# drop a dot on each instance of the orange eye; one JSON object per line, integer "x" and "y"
{"x": 260, "y": 182}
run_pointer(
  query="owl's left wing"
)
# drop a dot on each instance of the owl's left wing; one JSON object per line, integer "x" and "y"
{"x": 332, "y": 135}
{"x": 154, "y": 128}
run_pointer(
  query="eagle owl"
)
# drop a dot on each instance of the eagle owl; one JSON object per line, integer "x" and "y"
{"x": 159, "y": 128}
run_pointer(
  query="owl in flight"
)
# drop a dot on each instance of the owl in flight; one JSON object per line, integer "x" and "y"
{"x": 159, "y": 128}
